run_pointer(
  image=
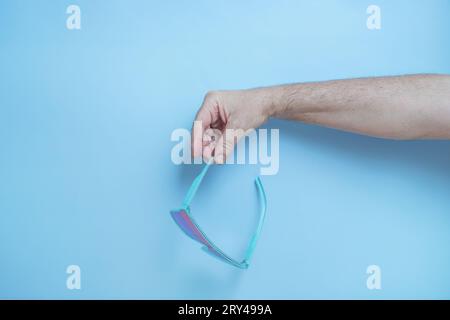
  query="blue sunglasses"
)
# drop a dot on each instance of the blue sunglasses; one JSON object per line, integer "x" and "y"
{"x": 186, "y": 222}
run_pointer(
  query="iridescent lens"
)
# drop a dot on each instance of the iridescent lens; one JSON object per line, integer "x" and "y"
{"x": 185, "y": 223}
{"x": 190, "y": 228}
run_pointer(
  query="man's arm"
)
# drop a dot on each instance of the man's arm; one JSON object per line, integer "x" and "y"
{"x": 402, "y": 107}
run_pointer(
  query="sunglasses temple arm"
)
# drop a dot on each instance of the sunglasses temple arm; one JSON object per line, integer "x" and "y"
{"x": 263, "y": 206}
{"x": 195, "y": 185}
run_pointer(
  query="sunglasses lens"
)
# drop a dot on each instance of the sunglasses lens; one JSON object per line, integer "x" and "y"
{"x": 187, "y": 225}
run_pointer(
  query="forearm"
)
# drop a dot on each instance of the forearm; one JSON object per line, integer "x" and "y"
{"x": 403, "y": 107}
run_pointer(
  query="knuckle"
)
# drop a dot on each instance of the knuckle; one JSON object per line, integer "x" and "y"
{"x": 212, "y": 95}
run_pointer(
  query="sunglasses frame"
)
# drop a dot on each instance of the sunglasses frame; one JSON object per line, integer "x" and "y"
{"x": 208, "y": 245}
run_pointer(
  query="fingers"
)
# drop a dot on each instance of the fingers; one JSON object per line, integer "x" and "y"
{"x": 202, "y": 122}
{"x": 226, "y": 143}
{"x": 211, "y": 116}
{"x": 207, "y": 152}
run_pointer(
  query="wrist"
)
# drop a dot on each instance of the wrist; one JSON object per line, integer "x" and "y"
{"x": 269, "y": 100}
{"x": 290, "y": 101}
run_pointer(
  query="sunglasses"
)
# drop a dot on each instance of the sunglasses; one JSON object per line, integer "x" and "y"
{"x": 186, "y": 222}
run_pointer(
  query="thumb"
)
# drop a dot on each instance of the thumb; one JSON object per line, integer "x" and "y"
{"x": 226, "y": 143}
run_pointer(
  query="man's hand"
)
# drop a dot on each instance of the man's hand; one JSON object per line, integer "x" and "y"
{"x": 402, "y": 107}
{"x": 225, "y": 117}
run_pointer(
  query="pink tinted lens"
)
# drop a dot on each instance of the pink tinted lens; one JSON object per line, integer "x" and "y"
{"x": 190, "y": 229}
{"x": 185, "y": 223}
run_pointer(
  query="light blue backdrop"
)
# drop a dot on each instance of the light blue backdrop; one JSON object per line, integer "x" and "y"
{"x": 85, "y": 170}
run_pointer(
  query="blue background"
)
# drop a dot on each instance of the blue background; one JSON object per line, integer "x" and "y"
{"x": 86, "y": 176}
